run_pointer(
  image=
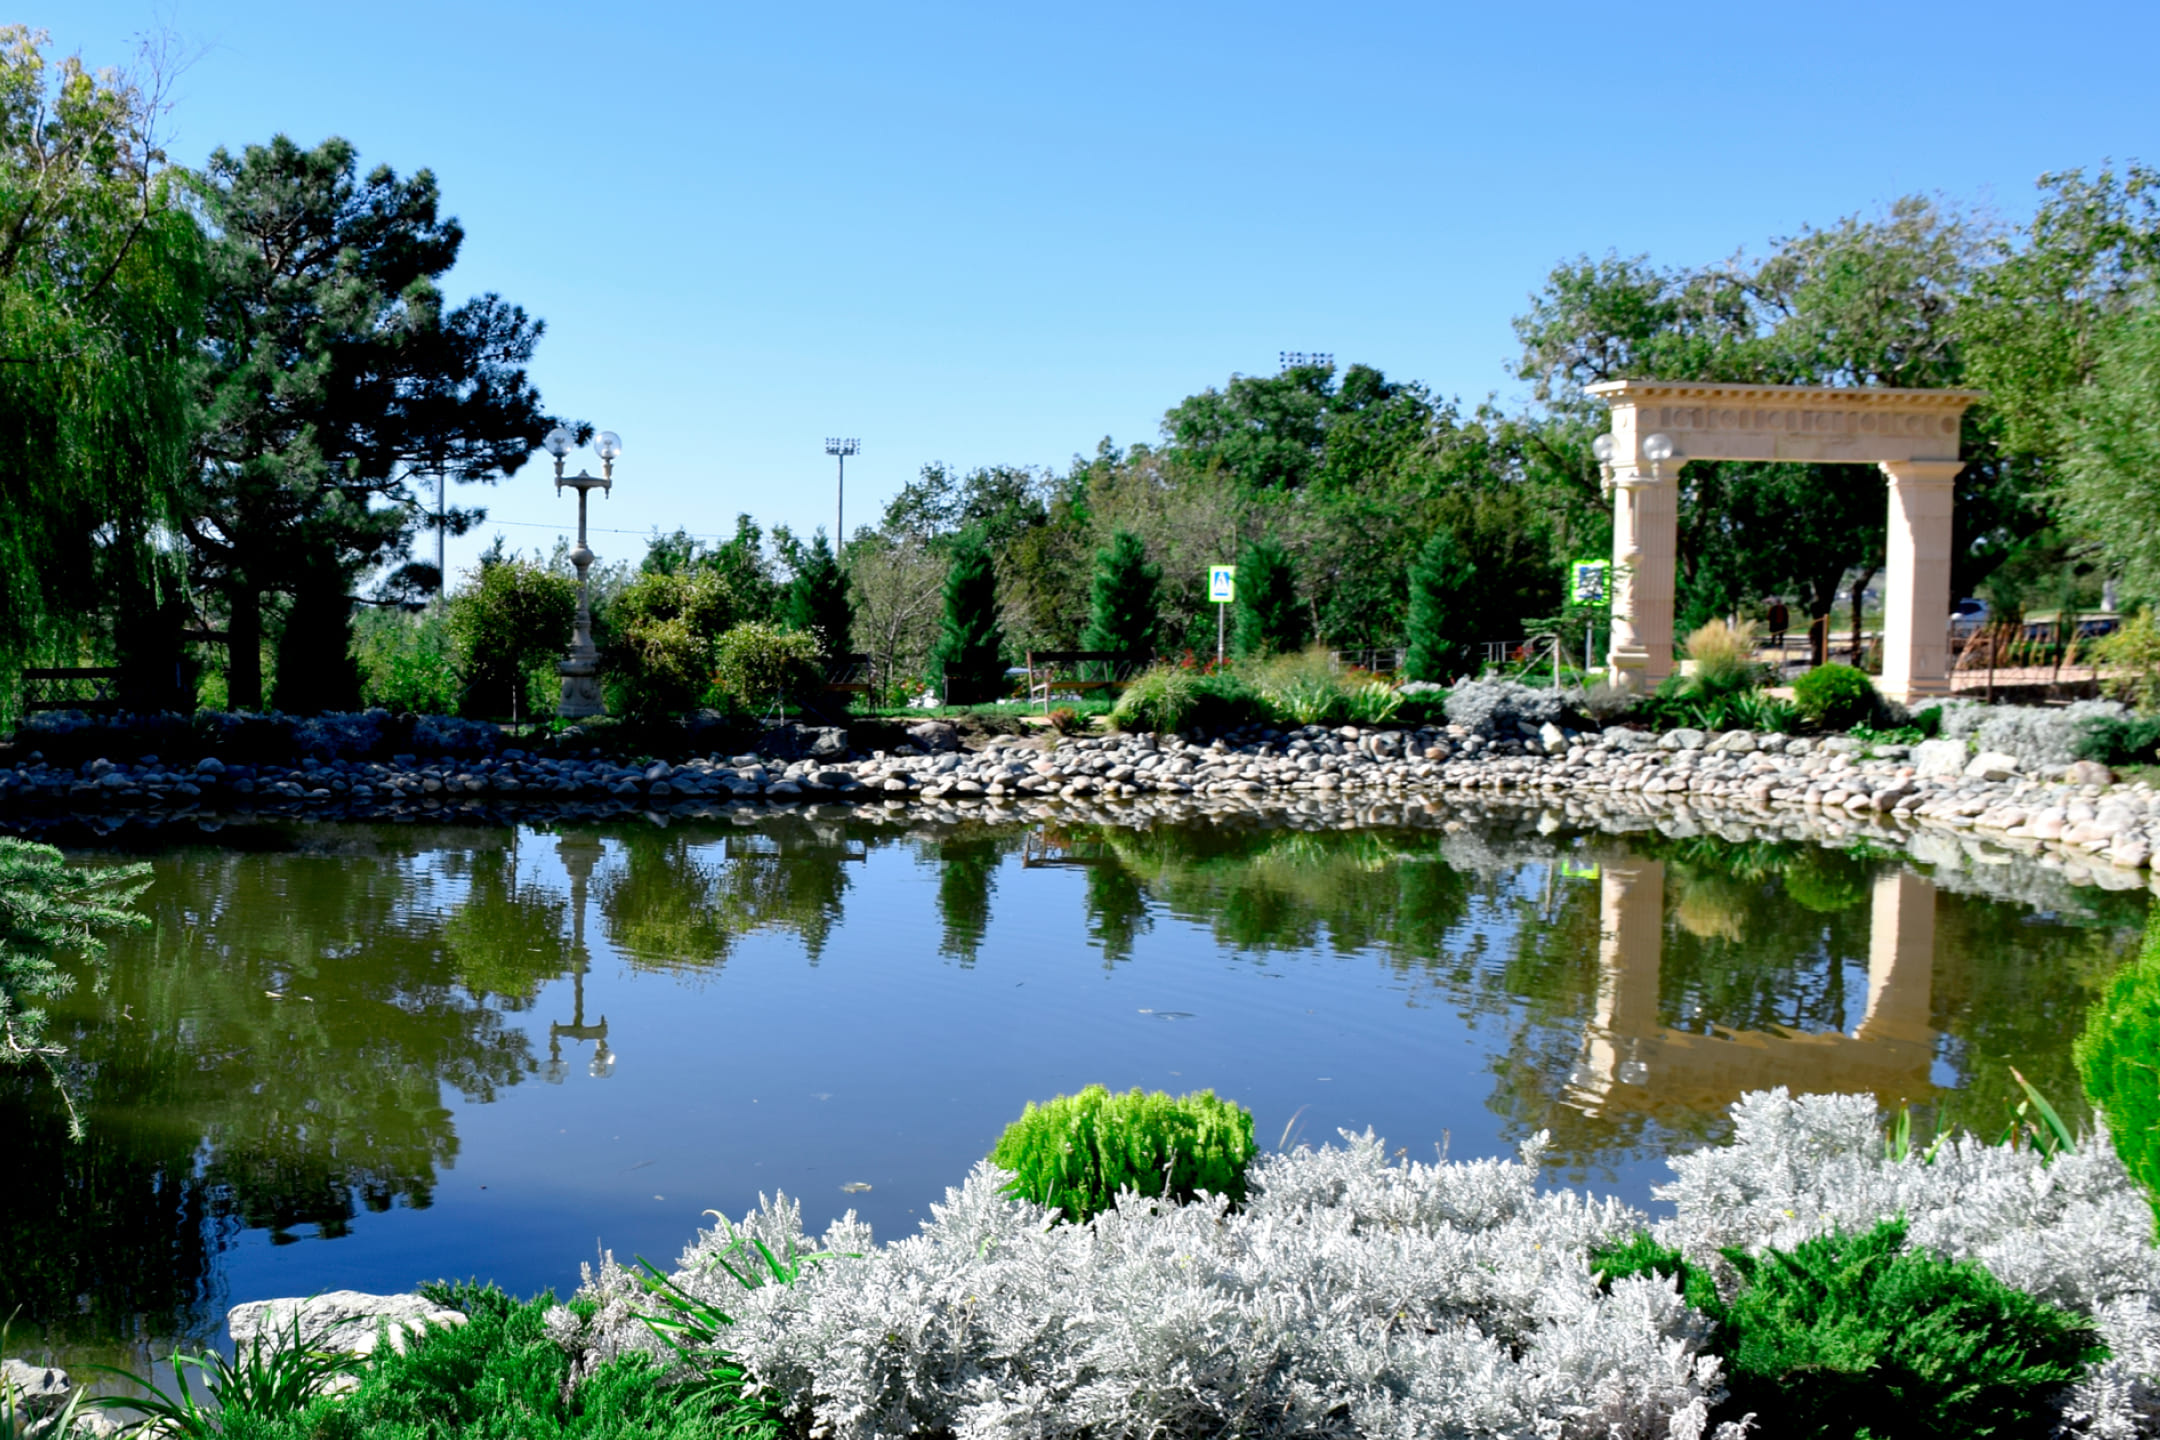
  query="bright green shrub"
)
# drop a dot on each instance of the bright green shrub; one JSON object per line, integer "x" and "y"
{"x": 665, "y": 628}
{"x": 513, "y": 617}
{"x": 2118, "y": 1058}
{"x": 1079, "y": 1151}
{"x": 2131, "y": 740}
{"x": 757, "y": 663}
{"x": 1168, "y": 699}
{"x": 1836, "y": 695}
{"x": 1854, "y": 1337}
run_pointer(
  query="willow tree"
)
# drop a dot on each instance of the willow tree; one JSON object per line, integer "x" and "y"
{"x": 101, "y": 284}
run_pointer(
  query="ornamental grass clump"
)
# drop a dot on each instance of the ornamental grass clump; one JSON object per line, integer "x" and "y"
{"x": 1077, "y": 1153}
{"x": 1859, "y": 1336}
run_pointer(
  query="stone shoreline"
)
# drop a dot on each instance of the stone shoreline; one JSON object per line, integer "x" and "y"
{"x": 1838, "y": 787}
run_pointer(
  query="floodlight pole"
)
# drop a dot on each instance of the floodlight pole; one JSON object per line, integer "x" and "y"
{"x": 840, "y": 450}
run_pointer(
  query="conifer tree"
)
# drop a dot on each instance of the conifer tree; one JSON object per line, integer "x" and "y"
{"x": 817, "y": 598}
{"x": 1269, "y": 619}
{"x": 1125, "y": 601}
{"x": 969, "y": 658}
{"x": 1441, "y": 604}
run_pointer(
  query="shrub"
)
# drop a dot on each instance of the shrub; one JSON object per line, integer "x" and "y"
{"x": 1836, "y": 695}
{"x": 1066, "y": 720}
{"x": 1495, "y": 708}
{"x": 512, "y": 618}
{"x": 2119, "y": 740}
{"x": 407, "y": 661}
{"x": 1169, "y": 699}
{"x": 2117, "y": 1056}
{"x": 2133, "y": 652}
{"x": 660, "y": 658}
{"x": 1855, "y": 1335}
{"x": 1077, "y": 1152}
{"x": 757, "y": 664}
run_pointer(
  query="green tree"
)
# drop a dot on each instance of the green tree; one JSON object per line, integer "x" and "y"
{"x": 818, "y": 602}
{"x": 512, "y": 617}
{"x": 101, "y": 287}
{"x": 2112, "y": 459}
{"x": 1268, "y": 618}
{"x": 969, "y": 657}
{"x": 1125, "y": 599}
{"x": 1441, "y": 584}
{"x": 336, "y": 383}
{"x": 661, "y": 647}
{"x": 740, "y": 560}
{"x": 758, "y": 664}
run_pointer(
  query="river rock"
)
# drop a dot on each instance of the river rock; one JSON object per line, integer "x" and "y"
{"x": 2089, "y": 772}
{"x": 1934, "y": 759}
{"x": 349, "y": 1321}
{"x": 36, "y": 1389}
{"x": 934, "y": 736}
{"x": 1991, "y": 766}
{"x": 1682, "y": 739}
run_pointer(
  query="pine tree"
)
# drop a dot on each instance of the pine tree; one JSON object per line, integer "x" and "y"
{"x": 1269, "y": 619}
{"x": 1125, "y": 601}
{"x": 969, "y": 656}
{"x": 1442, "y": 579}
{"x": 817, "y": 598}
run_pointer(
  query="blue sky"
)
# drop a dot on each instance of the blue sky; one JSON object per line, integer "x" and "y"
{"x": 985, "y": 234}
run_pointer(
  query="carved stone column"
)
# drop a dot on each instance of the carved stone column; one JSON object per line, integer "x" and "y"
{"x": 1916, "y": 598}
{"x": 1646, "y": 512}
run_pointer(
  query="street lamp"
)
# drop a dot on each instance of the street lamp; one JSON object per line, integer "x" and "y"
{"x": 580, "y": 670}
{"x": 842, "y": 449}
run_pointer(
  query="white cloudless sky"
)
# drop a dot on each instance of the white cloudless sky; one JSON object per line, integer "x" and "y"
{"x": 997, "y": 234}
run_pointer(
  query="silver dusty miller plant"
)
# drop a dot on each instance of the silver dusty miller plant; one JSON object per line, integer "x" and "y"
{"x": 1354, "y": 1296}
{"x": 1496, "y": 708}
{"x": 1351, "y": 1296}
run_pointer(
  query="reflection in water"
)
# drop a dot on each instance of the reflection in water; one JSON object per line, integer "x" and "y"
{"x": 1632, "y": 1059}
{"x": 285, "y": 1054}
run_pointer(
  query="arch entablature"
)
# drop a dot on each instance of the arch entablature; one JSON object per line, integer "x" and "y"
{"x": 1660, "y": 425}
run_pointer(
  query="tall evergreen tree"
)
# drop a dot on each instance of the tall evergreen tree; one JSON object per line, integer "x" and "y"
{"x": 1269, "y": 619}
{"x": 1125, "y": 600}
{"x": 969, "y": 657}
{"x": 1443, "y": 581}
{"x": 338, "y": 387}
{"x": 817, "y": 598}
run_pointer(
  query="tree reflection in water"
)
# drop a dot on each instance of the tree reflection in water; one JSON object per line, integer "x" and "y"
{"x": 275, "y": 1054}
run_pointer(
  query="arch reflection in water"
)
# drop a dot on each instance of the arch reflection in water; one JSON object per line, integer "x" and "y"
{"x": 1632, "y": 1061}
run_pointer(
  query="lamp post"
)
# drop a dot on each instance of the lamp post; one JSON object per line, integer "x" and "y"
{"x": 580, "y": 670}
{"x": 841, "y": 449}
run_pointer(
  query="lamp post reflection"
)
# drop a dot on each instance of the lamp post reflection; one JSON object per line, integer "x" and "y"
{"x": 1632, "y": 1062}
{"x": 579, "y": 854}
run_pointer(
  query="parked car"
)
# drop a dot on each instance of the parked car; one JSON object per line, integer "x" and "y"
{"x": 1966, "y": 618}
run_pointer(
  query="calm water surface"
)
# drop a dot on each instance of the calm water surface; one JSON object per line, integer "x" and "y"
{"x": 366, "y": 1056}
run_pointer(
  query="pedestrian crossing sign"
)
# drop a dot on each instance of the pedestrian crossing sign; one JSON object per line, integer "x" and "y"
{"x": 1222, "y": 584}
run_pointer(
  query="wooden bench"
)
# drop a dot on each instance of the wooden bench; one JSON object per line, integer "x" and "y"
{"x": 1075, "y": 672}
{"x": 60, "y": 689}
{"x": 845, "y": 674}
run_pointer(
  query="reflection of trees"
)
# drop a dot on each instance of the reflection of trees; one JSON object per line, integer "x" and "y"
{"x": 507, "y": 938}
{"x": 1275, "y": 890}
{"x": 678, "y": 899}
{"x": 967, "y": 867}
{"x": 271, "y": 1055}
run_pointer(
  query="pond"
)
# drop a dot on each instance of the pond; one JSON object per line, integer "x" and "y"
{"x": 367, "y": 1056}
